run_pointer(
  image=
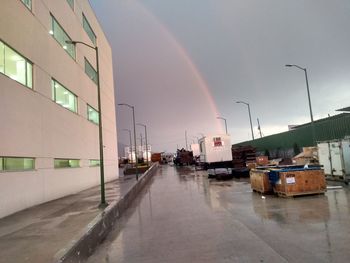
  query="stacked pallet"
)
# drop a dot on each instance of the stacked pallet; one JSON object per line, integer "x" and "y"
{"x": 243, "y": 156}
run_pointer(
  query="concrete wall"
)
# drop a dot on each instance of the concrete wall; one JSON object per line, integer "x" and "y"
{"x": 32, "y": 125}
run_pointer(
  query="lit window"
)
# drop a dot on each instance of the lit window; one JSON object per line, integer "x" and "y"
{"x": 92, "y": 115}
{"x": 90, "y": 71}
{"x": 28, "y": 3}
{"x": 63, "y": 96}
{"x": 71, "y": 3}
{"x": 66, "y": 163}
{"x": 89, "y": 30}
{"x": 16, "y": 164}
{"x": 15, "y": 66}
{"x": 61, "y": 36}
{"x": 94, "y": 163}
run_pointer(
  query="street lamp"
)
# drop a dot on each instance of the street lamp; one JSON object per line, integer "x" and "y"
{"x": 102, "y": 180}
{"x": 201, "y": 134}
{"x": 130, "y": 142}
{"x": 143, "y": 125}
{"x": 308, "y": 95}
{"x": 250, "y": 117}
{"x": 221, "y": 118}
{"x": 133, "y": 120}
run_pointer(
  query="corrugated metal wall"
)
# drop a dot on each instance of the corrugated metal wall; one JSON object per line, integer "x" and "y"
{"x": 283, "y": 144}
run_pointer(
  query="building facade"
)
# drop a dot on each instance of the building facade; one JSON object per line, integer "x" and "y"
{"x": 290, "y": 143}
{"x": 49, "y": 145}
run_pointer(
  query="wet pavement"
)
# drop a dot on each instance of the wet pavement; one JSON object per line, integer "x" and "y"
{"x": 38, "y": 233}
{"x": 184, "y": 217}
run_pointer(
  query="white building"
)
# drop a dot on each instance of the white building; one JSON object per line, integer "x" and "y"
{"x": 141, "y": 153}
{"x": 49, "y": 143}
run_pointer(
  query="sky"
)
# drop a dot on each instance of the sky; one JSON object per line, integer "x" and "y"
{"x": 183, "y": 63}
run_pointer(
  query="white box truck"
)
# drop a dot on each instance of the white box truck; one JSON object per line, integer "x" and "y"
{"x": 335, "y": 158}
{"x": 216, "y": 155}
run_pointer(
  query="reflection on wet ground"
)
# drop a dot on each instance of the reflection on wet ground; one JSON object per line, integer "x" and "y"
{"x": 185, "y": 217}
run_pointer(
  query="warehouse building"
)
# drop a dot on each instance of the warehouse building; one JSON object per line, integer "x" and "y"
{"x": 49, "y": 145}
{"x": 288, "y": 144}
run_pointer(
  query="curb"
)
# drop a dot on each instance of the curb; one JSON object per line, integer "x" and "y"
{"x": 81, "y": 247}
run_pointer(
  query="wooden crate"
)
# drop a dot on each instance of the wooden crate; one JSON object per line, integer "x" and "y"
{"x": 301, "y": 182}
{"x": 259, "y": 181}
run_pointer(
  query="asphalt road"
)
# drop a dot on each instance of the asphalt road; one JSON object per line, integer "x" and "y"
{"x": 184, "y": 217}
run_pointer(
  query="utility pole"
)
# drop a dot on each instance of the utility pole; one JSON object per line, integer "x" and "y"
{"x": 259, "y": 128}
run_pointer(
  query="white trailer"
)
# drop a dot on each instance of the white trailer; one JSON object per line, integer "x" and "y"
{"x": 216, "y": 155}
{"x": 195, "y": 149}
{"x": 335, "y": 158}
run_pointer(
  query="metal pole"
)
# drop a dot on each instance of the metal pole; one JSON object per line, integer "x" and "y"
{"x": 130, "y": 145}
{"x": 259, "y": 128}
{"x": 221, "y": 118}
{"x": 102, "y": 178}
{"x": 311, "y": 115}
{"x": 136, "y": 159}
{"x": 146, "y": 145}
{"x": 141, "y": 146}
{"x": 250, "y": 119}
{"x": 309, "y": 99}
{"x": 186, "y": 140}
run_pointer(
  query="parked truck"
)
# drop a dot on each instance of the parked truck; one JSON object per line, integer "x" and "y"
{"x": 335, "y": 158}
{"x": 216, "y": 156}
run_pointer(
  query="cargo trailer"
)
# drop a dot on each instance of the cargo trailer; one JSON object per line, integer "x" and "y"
{"x": 215, "y": 155}
{"x": 335, "y": 158}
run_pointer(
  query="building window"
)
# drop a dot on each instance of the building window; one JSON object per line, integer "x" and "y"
{"x": 89, "y": 30}
{"x": 71, "y": 3}
{"x": 66, "y": 163}
{"x": 90, "y": 71}
{"x": 15, "y": 66}
{"x": 61, "y": 36}
{"x": 28, "y": 3}
{"x": 93, "y": 163}
{"x": 16, "y": 164}
{"x": 63, "y": 96}
{"x": 92, "y": 114}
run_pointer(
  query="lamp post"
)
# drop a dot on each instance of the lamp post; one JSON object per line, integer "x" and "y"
{"x": 250, "y": 117}
{"x": 102, "y": 180}
{"x": 143, "y": 125}
{"x": 221, "y": 118}
{"x": 130, "y": 142}
{"x": 308, "y": 96}
{"x": 133, "y": 120}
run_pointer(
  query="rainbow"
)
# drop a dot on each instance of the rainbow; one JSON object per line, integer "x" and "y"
{"x": 191, "y": 65}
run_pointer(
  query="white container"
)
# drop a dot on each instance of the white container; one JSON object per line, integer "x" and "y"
{"x": 215, "y": 148}
{"x": 335, "y": 158}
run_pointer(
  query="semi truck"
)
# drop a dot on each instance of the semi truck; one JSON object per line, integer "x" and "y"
{"x": 216, "y": 155}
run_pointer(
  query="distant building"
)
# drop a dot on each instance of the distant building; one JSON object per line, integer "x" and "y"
{"x": 49, "y": 143}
